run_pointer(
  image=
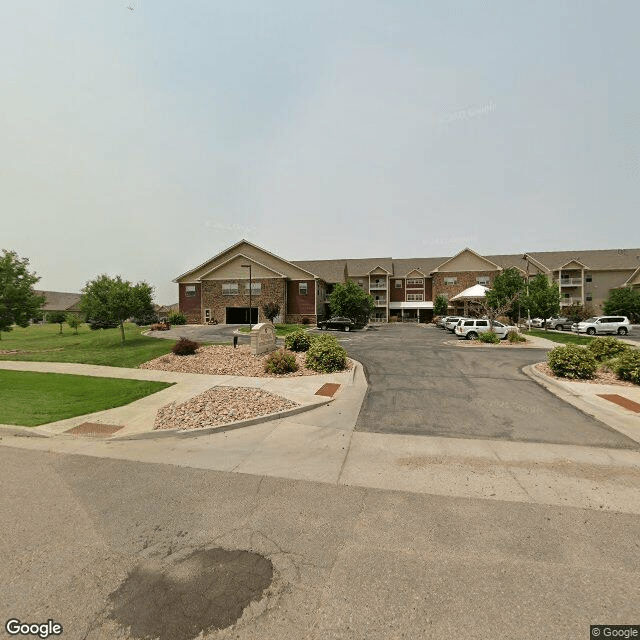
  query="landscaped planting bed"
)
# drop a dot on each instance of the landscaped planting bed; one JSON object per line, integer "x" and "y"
{"x": 220, "y": 405}
{"x": 227, "y": 361}
{"x": 602, "y": 376}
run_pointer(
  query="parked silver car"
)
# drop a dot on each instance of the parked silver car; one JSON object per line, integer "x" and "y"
{"x": 451, "y": 322}
{"x": 559, "y": 324}
{"x": 470, "y": 328}
{"x": 603, "y": 324}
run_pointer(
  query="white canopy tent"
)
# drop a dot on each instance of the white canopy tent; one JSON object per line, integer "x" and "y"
{"x": 472, "y": 294}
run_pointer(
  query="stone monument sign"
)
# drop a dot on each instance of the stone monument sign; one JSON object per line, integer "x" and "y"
{"x": 263, "y": 338}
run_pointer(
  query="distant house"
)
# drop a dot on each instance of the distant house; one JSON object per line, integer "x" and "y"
{"x": 60, "y": 301}
{"x": 163, "y": 310}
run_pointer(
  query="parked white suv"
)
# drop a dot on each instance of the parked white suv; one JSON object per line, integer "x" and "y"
{"x": 452, "y": 321}
{"x": 470, "y": 328}
{"x": 603, "y": 324}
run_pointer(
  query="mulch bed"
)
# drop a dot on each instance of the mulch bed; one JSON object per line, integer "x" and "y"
{"x": 602, "y": 377}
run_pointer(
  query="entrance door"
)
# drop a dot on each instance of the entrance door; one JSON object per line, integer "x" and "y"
{"x": 240, "y": 315}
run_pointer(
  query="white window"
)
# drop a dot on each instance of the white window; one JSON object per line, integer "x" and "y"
{"x": 256, "y": 288}
{"x": 588, "y": 297}
{"x": 303, "y": 288}
{"x": 229, "y": 288}
{"x": 398, "y": 284}
{"x": 190, "y": 291}
{"x": 207, "y": 315}
{"x": 415, "y": 281}
{"x": 415, "y": 297}
{"x": 360, "y": 284}
{"x": 588, "y": 278}
{"x": 483, "y": 280}
{"x": 451, "y": 280}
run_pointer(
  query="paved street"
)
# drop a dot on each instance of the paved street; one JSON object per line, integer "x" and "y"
{"x": 418, "y": 385}
{"x": 348, "y": 562}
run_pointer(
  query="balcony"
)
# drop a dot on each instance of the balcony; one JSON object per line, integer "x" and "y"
{"x": 565, "y": 302}
{"x": 377, "y": 285}
{"x": 381, "y": 303}
{"x": 571, "y": 282}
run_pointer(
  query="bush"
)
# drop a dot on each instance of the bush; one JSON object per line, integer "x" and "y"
{"x": 490, "y": 337}
{"x": 146, "y": 318}
{"x": 572, "y": 361}
{"x": 326, "y": 355}
{"x": 298, "y": 340}
{"x": 305, "y": 320}
{"x": 271, "y": 310}
{"x": 281, "y": 362}
{"x": 607, "y": 348}
{"x": 628, "y": 367}
{"x": 185, "y": 347}
{"x": 96, "y": 323}
{"x": 515, "y": 336}
{"x": 175, "y": 317}
{"x": 160, "y": 326}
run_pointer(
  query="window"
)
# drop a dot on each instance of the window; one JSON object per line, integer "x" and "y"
{"x": 588, "y": 297}
{"x": 411, "y": 297}
{"x": 415, "y": 281}
{"x": 483, "y": 280}
{"x": 303, "y": 288}
{"x": 190, "y": 291}
{"x": 361, "y": 284}
{"x": 398, "y": 284}
{"x": 256, "y": 288}
{"x": 229, "y": 288}
{"x": 207, "y": 315}
{"x": 482, "y": 323}
{"x": 451, "y": 280}
{"x": 588, "y": 278}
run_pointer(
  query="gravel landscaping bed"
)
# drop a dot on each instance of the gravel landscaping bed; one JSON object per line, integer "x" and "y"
{"x": 477, "y": 343}
{"x": 224, "y": 360}
{"x": 602, "y": 377}
{"x": 220, "y": 405}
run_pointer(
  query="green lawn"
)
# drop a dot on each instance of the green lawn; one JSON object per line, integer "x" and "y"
{"x": 28, "y": 398}
{"x": 281, "y": 329}
{"x": 564, "y": 338}
{"x": 44, "y": 343}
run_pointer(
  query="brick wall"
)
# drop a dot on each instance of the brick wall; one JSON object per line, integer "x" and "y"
{"x": 301, "y": 306}
{"x": 466, "y": 279}
{"x": 396, "y": 295}
{"x": 273, "y": 290}
{"x": 190, "y": 305}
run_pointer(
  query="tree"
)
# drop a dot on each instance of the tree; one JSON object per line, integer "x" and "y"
{"x": 624, "y": 302}
{"x": 506, "y": 292}
{"x": 543, "y": 299}
{"x": 351, "y": 301}
{"x": 73, "y": 321}
{"x": 18, "y": 301}
{"x": 270, "y": 310}
{"x": 577, "y": 312}
{"x": 110, "y": 301}
{"x": 56, "y": 317}
{"x": 440, "y": 305}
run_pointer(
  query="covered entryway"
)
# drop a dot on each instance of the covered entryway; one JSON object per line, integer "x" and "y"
{"x": 240, "y": 315}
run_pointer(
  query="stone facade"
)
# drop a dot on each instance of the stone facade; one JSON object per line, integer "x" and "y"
{"x": 273, "y": 290}
{"x": 466, "y": 279}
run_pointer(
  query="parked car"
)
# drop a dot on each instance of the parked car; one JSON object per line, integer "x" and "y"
{"x": 452, "y": 321}
{"x": 560, "y": 324}
{"x": 441, "y": 322}
{"x": 603, "y": 324}
{"x": 535, "y": 322}
{"x": 344, "y": 324}
{"x": 471, "y": 328}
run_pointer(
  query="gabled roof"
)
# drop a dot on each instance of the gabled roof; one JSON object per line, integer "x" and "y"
{"x": 379, "y": 267}
{"x": 466, "y": 250}
{"x": 362, "y": 266}
{"x": 635, "y": 275}
{"x": 58, "y": 300}
{"x": 422, "y": 273}
{"x": 426, "y": 265}
{"x": 328, "y": 270}
{"x": 234, "y": 257}
{"x": 584, "y": 266}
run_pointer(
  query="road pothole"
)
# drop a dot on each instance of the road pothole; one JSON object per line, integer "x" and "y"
{"x": 207, "y": 590}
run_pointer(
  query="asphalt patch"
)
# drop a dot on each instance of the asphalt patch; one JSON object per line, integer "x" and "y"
{"x": 207, "y": 590}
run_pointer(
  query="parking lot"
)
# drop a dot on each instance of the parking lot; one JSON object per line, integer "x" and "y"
{"x": 419, "y": 385}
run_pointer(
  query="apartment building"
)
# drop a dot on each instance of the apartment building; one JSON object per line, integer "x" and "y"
{"x": 220, "y": 289}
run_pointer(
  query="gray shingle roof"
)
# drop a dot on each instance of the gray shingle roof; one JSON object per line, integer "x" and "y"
{"x": 58, "y": 300}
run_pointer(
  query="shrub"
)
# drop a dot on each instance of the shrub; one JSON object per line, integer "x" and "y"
{"x": 326, "y": 355}
{"x": 160, "y": 326}
{"x": 607, "y": 348}
{"x": 515, "y": 336}
{"x": 298, "y": 340}
{"x": 280, "y": 362}
{"x": 490, "y": 337}
{"x": 305, "y": 320}
{"x": 185, "y": 347}
{"x": 628, "y": 367}
{"x": 97, "y": 323}
{"x": 175, "y": 317}
{"x": 572, "y": 361}
{"x": 145, "y": 318}
{"x": 271, "y": 310}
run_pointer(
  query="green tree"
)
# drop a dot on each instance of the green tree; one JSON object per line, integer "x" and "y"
{"x": 270, "y": 310}
{"x": 56, "y": 317}
{"x": 543, "y": 299}
{"x": 18, "y": 301}
{"x": 351, "y": 301}
{"x": 440, "y": 305}
{"x": 506, "y": 292}
{"x": 114, "y": 300}
{"x": 624, "y": 302}
{"x": 73, "y": 321}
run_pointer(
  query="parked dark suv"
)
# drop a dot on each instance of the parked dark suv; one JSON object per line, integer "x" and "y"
{"x": 344, "y": 324}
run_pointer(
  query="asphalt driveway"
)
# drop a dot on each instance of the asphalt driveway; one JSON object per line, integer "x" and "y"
{"x": 419, "y": 385}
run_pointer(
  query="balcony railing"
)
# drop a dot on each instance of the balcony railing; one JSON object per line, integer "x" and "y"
{"x": 381, "y": 303}
{"x": 571, "y": 282}
{"x": 378, "y": 319}
{"x": 377, "y": 285}
{"x": 565, "y": 302}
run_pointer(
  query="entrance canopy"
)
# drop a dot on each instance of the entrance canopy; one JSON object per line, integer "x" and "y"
{"x": 472, "y": 293}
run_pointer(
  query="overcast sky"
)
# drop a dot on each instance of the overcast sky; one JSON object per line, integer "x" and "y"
{"x": 141, "y": 142}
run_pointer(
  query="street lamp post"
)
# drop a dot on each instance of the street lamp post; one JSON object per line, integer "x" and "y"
{"x": 248, "y": 266}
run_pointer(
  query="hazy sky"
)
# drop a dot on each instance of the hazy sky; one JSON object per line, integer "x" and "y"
{"x": 143, "y": 142}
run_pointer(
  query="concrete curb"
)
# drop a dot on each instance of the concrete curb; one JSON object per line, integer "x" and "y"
{"x": 227, "y": 426}
{"x": 610, "y": 417}
{"x": 15, "y": 430}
